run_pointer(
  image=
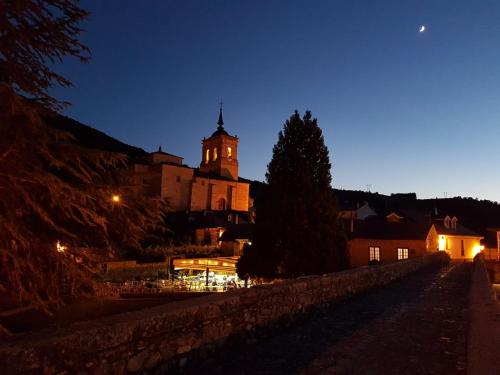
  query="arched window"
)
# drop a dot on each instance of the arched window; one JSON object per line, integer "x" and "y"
{"x": 215, "y": 154}
{"x": 229, "y": 152}
{"x": 207, "y": 156}
{"x": 221, "y": 204}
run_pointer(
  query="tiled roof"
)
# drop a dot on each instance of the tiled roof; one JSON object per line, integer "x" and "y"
{"x": 166, "y": 153}
{"x": 380, "y": 228}
{"x": 460, "y": 230}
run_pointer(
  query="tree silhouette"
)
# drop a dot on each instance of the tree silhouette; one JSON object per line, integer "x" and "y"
{"x": 34, "y": 35}
{"x": 296, "y": 229}
{"x": 54, "y": 190}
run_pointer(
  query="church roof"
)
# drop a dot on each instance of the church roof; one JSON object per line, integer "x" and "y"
{"x": 220, "y": 131}
{"x": 220, "y": 128}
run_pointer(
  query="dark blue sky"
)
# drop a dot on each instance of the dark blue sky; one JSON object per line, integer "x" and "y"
{"x": 399, "y": 110}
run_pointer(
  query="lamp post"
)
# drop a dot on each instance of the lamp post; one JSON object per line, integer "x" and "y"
{"x": 115, "y": 199}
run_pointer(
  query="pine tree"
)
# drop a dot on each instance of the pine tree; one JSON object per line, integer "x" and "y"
{"x": 51, "y": 188}
{"x": 296, "y": 231}
{"x": 34, "y": 35}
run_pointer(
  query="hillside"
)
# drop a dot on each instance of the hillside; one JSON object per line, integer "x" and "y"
{"x": 89, "y": 137}
{"x": 474, "y": 213}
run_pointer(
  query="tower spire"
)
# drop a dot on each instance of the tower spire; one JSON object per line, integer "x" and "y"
{"x": 220, "y": 122}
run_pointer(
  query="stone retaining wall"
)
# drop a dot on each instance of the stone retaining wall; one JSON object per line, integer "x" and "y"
{"x": 493, "y": 268}
{"x": 170, "y": 334}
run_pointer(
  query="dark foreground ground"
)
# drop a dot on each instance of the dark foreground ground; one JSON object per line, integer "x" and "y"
{"x": 417, "y": 325}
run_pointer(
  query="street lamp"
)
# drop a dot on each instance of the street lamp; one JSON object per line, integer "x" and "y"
{"x": 116, "y": 198}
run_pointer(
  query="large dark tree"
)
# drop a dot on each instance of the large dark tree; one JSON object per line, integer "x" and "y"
{"x": 297, "y": 231}
{"x": 35, "y": 34}
{"x": 51, "y": 188}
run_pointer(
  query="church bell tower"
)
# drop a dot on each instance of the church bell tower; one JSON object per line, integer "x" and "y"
{"x": 220, "y": 153}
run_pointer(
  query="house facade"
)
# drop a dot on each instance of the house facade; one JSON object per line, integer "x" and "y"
{"x": 460, "y": 242}
{"x": 390, "y": 239}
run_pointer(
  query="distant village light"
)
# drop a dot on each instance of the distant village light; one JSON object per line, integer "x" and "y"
{"x": 116, "y": 198}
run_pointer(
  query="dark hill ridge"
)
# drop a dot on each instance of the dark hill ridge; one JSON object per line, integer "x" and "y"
{"x": 473, "y": 213}
{"x": 89, "y": 137}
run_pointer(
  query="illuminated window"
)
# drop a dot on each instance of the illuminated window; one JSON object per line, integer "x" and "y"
{"x": 207, "y": 156}
{"x": 374, "y": 253}
{"x": 215, "y": 154}
{"x": 229, "y": 152}
{"x": 402, "y": 253}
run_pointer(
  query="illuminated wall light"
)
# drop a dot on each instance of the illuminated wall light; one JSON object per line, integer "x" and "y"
{"x": 116, "y": 198}
{"x": 442, "y": 243}
{"x": 476, "y": 250}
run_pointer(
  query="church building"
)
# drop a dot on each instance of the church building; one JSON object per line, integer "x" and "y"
{"x": 214, "y": 186}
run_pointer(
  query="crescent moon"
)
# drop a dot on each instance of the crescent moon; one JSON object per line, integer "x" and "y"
{"x": 422, "y": 29}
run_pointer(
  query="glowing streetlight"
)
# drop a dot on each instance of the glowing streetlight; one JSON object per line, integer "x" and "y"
{"x": 60, "y": 248}
{"x": 116, "y": 198}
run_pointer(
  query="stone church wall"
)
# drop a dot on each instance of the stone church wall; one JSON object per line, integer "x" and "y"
{"x": 176, "y": 186}
{"x": 167, "y": 336}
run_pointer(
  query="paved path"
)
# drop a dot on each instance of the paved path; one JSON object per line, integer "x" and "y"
{"x": 417, "y": 325}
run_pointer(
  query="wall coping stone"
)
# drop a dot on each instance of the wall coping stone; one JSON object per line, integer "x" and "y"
{"x": 483, "y": 349}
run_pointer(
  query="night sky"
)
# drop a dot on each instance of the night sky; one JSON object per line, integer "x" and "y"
{"x": 400, "y": 110}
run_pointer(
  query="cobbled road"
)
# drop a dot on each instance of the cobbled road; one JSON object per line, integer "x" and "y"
{"x": 415, "y": 325}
